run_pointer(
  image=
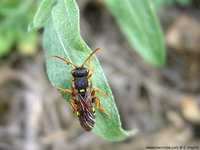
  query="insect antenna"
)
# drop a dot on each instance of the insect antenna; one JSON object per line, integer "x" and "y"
{"x": 65, "y": 61}
{"x": 90, "y": 56}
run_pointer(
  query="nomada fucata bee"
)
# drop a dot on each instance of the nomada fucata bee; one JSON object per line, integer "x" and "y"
{"x": 83, "y": 93}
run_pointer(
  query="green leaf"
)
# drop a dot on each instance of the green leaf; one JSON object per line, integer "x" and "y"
{"x": 159, "y": 4}
{"x": 138, "y": 22}
{"x": 183, "y": 2}
{"x": 62, "y": 37}
{"x": 15, "y": 16}
{"x": 16, "y": 8}
{"x": 6, "y": 41}
{"x": 42, "y": 14}
{"x": 28, "y": 43}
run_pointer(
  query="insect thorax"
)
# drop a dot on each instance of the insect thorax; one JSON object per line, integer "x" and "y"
{"x": 81, "y": 84}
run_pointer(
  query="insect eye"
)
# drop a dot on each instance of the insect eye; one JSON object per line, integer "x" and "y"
{"x": 78, "y": 113}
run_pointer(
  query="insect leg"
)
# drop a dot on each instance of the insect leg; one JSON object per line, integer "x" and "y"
{"x": 98, "y": 105}
{"x": 72, "y": 103}
{"x": 97, "y": 91}
{"x": 65, "y": 91}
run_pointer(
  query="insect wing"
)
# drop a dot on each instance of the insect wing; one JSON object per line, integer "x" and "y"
{"x": 86, "y": 117}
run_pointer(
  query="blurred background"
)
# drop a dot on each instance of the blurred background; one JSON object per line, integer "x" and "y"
{"x": 163, "y": 103}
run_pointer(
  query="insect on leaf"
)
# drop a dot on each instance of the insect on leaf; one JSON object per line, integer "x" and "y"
{"x": 62, "y": 37}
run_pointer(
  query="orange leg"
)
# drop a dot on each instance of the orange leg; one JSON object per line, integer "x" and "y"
{"x": 65, "y": 91}
{"x": 97, "y": 91}
{"x": 72, "y": 103}
{"x": 98, "y": 105}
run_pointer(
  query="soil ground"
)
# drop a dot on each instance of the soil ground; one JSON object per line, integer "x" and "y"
{"x": 163, "y": 103}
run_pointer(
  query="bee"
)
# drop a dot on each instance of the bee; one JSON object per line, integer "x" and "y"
{"x": 82, "y": 104}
